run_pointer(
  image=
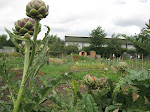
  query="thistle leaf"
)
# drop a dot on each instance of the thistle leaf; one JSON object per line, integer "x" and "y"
{"x": 12, "y": 38}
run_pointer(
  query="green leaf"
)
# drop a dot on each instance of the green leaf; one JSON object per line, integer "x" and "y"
{"x": 42, "y": 93}
{"x": 28, "y": 95}
{"x": 110, "y": 108}
{"x": 12, "y": 38}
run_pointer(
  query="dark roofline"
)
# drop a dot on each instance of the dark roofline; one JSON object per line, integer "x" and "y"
{"x": 77, "y": 36}
{"x": 88, "y": 37}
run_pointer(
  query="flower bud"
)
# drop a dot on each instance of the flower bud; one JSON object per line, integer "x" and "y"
{"x": 25, "y": 25}
{"x": 37, "y": 9}
{"x": 27, "y": 36}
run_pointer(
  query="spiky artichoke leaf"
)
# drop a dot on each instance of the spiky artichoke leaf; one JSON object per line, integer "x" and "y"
{"x": 142, "y": 44}
{"x": 39, "y": 60}
{"x": 46, "y": 34}
{"x": 12, "y": 37}
{"x": 45, "y": 38}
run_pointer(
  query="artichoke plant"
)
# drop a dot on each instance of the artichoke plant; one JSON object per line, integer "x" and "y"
{"x": 37, "y": 9}
{"x": 23, "y": 26}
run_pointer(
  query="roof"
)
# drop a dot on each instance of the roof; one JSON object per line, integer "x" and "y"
{"x": 85, "y": 39}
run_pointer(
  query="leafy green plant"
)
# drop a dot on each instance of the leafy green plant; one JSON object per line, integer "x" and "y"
{"x": 8, "y": 76}
{"x": 137, "y": 82}
{"x": 122, "y": 67}
{"x": 30, "y": 95}
{"x": 73, "y": 100}
{"x": 101, "y": 89}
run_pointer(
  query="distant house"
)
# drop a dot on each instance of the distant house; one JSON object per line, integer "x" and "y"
{"x": 80, "y": 41}
{"x": 8, "y": 49}
{"x": 84, "y": 41}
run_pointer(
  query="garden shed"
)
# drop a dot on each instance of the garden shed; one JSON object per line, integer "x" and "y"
{"x": 83, "y": 53}
{"x": 92, "y": 54}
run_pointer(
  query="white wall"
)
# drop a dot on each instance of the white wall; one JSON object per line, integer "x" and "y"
{"x": 80, "y": 44}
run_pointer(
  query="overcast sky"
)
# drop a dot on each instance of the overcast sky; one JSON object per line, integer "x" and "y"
{"x": 79, "y": 17}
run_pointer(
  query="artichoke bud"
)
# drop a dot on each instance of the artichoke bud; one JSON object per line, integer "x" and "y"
{"x": 23, "y": 44}
{"x": 25, "y": 25}
{"x": 27, "y": 36}
{"x": 37, "y": 9}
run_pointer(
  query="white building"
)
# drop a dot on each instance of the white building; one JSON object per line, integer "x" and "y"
{"x": 83, "y": 41}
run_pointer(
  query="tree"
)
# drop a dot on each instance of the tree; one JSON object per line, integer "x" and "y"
{"x": 142, "y": 41}
{"x": 97, "y": 37}
{"x": 71, "y": 49}
{"x": 55, "y": 39}
{"x": 3, "y": 41}
{"x": 143, "y": 36}
{"x": 56, "y": 45}
{"x": 114, "y": 45}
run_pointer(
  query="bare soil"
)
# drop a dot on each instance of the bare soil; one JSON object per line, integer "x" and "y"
{"x": 18, "y": 76}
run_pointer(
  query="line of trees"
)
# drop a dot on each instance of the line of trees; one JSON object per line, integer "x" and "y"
{"x": 103, "y": 46}
{"x": 107, "y": 47}
{"x": 4, "y": 41}
{"x": 98, "y": 42}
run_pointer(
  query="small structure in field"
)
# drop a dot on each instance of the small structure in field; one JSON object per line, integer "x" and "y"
{"x": 92, "y": 54}
{"x": 83, "y": 53}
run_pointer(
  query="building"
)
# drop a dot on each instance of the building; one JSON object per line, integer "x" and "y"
{"x": 83, "y": 41}
{"x": 8, "y": 49}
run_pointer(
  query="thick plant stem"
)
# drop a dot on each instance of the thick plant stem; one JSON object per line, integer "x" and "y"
{"x": 26, "y": 65}
{"x": 36, "y": 27}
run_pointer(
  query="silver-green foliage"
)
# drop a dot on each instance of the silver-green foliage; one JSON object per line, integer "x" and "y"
{"x": 136, "y": 82}
{"x": 66, "y": 103}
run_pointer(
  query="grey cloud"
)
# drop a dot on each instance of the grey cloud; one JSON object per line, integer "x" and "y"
{"x": 130, "y": 22}
{"x": 58, "y": 29}
{"x": 69, "y": 19}
{"x": 5, "y": 3}
{"x": 81, "y": 32}
{"x": 144, "y": 1}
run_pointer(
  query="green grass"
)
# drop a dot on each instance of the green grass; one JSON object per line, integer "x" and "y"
{"x": 14, "y": 62}
{"x": 55, "y": 70}
{"x": 102, "y": 73}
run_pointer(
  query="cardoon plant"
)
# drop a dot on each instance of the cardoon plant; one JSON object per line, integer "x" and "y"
{"x": 30, "y": 97}
{"x": 26, "y": 27}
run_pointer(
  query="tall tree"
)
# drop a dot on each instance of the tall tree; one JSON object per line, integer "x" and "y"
{"x": 3, "y": 41}
{"x": 56, "y": 45}
{"x": 97, "y": 37}
{"x": 71, "y": 49}
{"x": 55, "y": 39}
{"x": 114, "y": 45}
{"x": 142, "y": 40}
{"x": 143, "y": 36}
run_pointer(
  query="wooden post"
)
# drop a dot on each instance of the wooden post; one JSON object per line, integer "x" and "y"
{"x": 132, "y": 63}
{"x": 145, "y": 62}
{"x": 109, "y": 61}
{"x": 117, "y": 60}
{"x": 136, "y": 62}
{"x": 142, "y": 61}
